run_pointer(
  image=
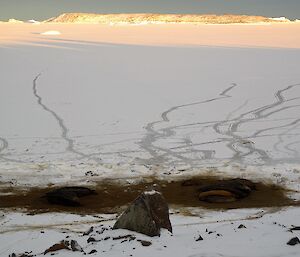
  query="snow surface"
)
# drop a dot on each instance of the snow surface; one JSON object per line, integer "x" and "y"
{"x": 266, "y": 233}
{"x": 125, "y": 110}
{"x": 130, "y": 110}
{"x": 152, "y": 192}
{"x": 51, "y": 33}
{"x": 280, "y": 19}
{"x": 33, "y": 21}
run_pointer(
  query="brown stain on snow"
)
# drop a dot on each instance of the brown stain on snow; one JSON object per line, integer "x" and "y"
{"x": 113, "y": 196}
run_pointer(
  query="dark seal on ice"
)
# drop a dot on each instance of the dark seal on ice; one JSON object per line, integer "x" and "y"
{"x": 68, "y": 196}
{"x": 226, "y": 191}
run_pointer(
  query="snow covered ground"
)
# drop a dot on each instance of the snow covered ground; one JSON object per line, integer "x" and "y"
{"x": 131, "y": 103}
{"x": 233, "y": 233}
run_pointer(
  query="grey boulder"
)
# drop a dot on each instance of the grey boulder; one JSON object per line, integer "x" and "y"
{"x": 147, "y": 214}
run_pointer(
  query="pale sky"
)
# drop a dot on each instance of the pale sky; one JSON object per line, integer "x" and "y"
{"x": 43, "y": 9}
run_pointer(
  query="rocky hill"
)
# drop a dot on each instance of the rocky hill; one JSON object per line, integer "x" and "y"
{"x": 142, "y": 18}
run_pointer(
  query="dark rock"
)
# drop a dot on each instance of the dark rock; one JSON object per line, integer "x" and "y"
{"x": 145, "y": 243}
{"x": 75, "y": 247}
{"x": 200, "y": 238}
{"x": 21, "y": 255}
{"x": 293, "y": 241}
{"x": 226, "y": 191}
{"x": 64, "y": 244}
{"x": 59, "y": 246}
{"x": 68, "y": 196}
{"x": 93, "y": 251}
{"x": 91, "y": 239}
{"x": 147, "y": 215}
{"x": 294, "y": 228}
{"x": 241, "y": 226}
{"x": 129, "y": 237}
{"x": 89, "y": 231}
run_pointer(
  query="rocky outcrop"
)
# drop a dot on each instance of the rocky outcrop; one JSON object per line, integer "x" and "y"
{"x": 147, "y": 215}
{"x": 148, "y": 18}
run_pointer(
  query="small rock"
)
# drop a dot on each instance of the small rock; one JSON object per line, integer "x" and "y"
{"x": 75, "y": 246}
{"x": 93, "y": 251}
{"x": 148, "y": 213}
{"x": 21, "y": 255}
{"x": 59, "y": 246}
{"x": 89, "y": 231}
{"x": 91, "y": 239}
{"x": 241, "y": 226}
{"x": 244, "y": 142}
{"x": 200, "y": 238}
{"x": 293, "y": 241}
{"x": 129, "y": 237}
{"x": 145, "y": 243}
{"x": 294, "y": 228}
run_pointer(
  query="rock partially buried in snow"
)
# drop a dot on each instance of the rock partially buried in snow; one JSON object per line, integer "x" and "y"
{"x": 226, "y": 191}
{"x": 147, "y": 214}
{"x": 51, "y": 33}
{"x": 293, "y": 241}
{"x": 64, "y": 245}
{"x": 145, "y": 243}
{"x": 294, "y": 228}
{"x": 75, "y": 247}
{"x": 26, "y": 254}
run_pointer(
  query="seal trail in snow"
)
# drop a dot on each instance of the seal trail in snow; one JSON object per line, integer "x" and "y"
{"x": 147, "y": 143}
{"x": 60, "y": 122}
